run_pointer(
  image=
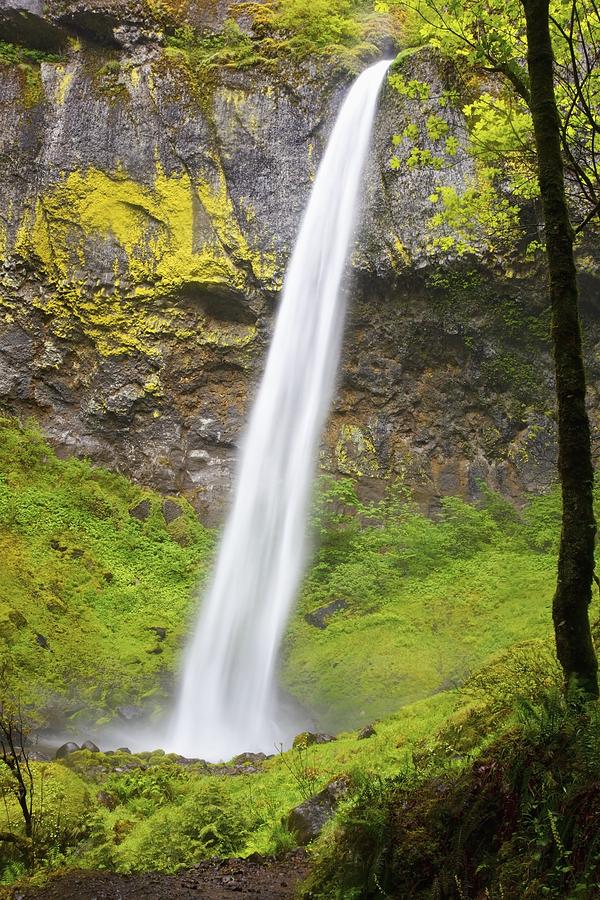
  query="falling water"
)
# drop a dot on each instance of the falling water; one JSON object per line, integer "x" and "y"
{"x": 228, "y": 699}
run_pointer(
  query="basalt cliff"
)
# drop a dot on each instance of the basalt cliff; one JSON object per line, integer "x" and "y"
{"x": 146, "y": 220}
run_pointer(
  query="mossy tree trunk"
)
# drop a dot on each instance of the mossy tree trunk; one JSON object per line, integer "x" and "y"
{"x": 570, "y": 611}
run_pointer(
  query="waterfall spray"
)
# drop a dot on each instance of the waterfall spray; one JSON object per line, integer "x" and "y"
{"x": 228, "y": 696}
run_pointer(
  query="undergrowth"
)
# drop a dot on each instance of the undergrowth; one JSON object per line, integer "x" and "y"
{"x": 435, "y": 598}
{"x": 96, "y": 590}
{"x": 84, "y": 584}
{"x": 520, "y": 821}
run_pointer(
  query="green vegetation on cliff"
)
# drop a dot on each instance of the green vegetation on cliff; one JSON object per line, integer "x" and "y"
{"x": 424, "y": 603}
{"x": 347, "y": 31}
{"x": 85, "y": 584}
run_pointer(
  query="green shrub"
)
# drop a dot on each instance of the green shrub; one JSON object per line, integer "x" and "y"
{"x": 206, "y": 823}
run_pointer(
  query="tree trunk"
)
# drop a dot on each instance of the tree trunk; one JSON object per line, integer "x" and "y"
{"x": 573, "y": 595}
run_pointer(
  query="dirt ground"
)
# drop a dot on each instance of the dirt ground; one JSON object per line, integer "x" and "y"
{"x": 269, "y": 879}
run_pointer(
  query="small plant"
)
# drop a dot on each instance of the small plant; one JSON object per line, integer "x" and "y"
{"x": 13, "y": 54}
{"x": 14, "y": 734}
{"x": 300, "y": 763}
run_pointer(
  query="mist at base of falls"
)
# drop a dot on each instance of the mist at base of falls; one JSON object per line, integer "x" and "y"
{"x": 229, "y": 700}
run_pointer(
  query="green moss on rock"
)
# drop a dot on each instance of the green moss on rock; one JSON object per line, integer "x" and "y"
{"x": 150, "y": 234}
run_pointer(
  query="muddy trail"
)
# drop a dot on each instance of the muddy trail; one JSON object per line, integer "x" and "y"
{"x": 268, "y": 878}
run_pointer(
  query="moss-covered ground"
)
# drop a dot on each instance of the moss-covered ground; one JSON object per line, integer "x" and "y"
{"x": 92, "y": 569}
{"x": 83, "y": 582}
{"x": 426, "y": 602}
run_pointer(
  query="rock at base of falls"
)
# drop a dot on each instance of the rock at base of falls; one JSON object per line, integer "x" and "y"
{"x": 308, "y": 820}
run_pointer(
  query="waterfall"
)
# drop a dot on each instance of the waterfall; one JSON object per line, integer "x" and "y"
{"x": 228, "y": 696}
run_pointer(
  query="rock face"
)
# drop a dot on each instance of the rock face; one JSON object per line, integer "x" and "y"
{"x": 308, "y": 820}
{"x": 151, "y": 211}
{"x": 320, "y": 617}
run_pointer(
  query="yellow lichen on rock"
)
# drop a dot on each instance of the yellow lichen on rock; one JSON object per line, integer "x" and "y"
{"x": 65, "y": 79}
{"x": 154, "y": 240}
{"x": 355, "y": 453}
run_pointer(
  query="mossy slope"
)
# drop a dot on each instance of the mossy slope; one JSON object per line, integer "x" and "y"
{"x": 83, "y": 581}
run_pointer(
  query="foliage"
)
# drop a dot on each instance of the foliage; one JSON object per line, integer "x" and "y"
{"x": 484, "y": 215}
{"x": 230, "y": 47}
{"x": 436, "y": 598}
{"x": 27, "y": 62}
{"x": 84, "y": 583}
{"x": 206, "y": 823}
{"x": 439, "y": 599}
{"x": 14, "y": 53}
{"x": 486, "y": 47}
{"x": 61, "y": 810}
{"x": 518, "y": 822}
{"x": 16, "y": 775}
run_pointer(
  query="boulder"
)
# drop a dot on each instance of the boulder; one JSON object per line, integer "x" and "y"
{"x": 42, "y": 642}
{"x": 171, "y": 511}
{"x": 129, "y": 712}
{"x": 320, "y": 617}
{"x": 307, "y": 820}
{"x": 366, "y": 732}
{"x": 65, "y": 749}
{"x": 308, "y": 738}
{"x": 248, "y": 759}
{"x": 38, "y": 756}
{"x": 91, "y": 746}
{"x": 141, "y": 511}
{"x": 160, "y": 632}
{"x": 107, "y": 800}
{"x": 17, "y": 618}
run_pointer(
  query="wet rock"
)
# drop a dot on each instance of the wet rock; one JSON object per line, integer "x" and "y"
{"x": 171, "y": 511}
{"x": 160, "y": 632}
{"x": 234, "y": 771}
{"x": 249, "y": 759}
{"x": 38, "y": 756}
{"x": 320, "y": 617}
{"x": 307, "y": 820}
{"x": 65, "y": 749}
{"x": 91, "y": 746}
{"x": 366, "y": 732}
{"x": 308, "y": 738}
{"x": 56, "y": 545}
{"x": 141, "y": 511}
{"x": 164, "y": 401}
{"x": 23, "y": 21}
{"x": 188, "y": 761}
{"x": 42, "y": 642}
{"x": 123, "y": 750}
{"x": 96, "y": 21}
{"x": 129, "y": 712}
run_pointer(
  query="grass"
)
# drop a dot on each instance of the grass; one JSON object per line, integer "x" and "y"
{"x": 429, "y": 605}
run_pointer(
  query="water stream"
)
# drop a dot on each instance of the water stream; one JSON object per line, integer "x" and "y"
{"x": 228, "y": 700}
